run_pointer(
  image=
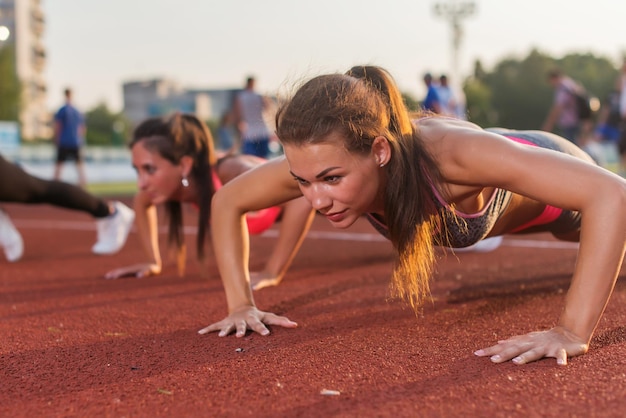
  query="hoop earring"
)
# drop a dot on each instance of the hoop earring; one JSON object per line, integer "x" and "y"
{"x": 184, "y": 181}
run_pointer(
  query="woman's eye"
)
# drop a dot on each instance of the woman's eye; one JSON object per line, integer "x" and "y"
{"x": 331, "y": 179}
{"x": 299, "y": 180}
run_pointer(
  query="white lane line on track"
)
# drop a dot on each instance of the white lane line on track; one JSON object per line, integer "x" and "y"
{"x": 273, "y": 233}
{"x": 512, "y": 242}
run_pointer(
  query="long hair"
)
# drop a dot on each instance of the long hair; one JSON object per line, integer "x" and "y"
{"x": 173, "y": 138}
{"x": 361, "y": 105}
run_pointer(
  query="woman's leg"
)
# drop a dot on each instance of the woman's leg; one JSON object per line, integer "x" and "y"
{"x": 114, "y": 220}
{"x": 18, "y": 186}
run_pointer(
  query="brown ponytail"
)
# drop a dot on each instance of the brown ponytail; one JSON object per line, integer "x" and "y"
{"x": 362, "y": 105}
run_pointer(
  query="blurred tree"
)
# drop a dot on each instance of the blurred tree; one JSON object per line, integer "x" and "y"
{"x": 479, "y": 102}
{"x": 9, "y": 84}
{"x": 596, "y": 74}
{"x": 105, "y": 127}
{"x": 411, "y": 102}
{"x": 516, "y": 94}
{"x": 520, "y": 94}
{"x": 213, "y": 125}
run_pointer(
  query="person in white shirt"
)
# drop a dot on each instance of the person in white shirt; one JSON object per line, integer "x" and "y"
{"x": 249, "y": 119}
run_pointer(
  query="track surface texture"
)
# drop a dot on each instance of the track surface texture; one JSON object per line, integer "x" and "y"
{"x": 75, "y": 345}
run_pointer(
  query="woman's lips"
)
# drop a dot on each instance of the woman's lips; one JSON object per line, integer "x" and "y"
{"x": 336, "y": 216}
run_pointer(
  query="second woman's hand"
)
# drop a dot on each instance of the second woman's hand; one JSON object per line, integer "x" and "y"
{"x": 247, "y": 318}
{"x": 260, "y": 280}
{"x": 136, "y": 270}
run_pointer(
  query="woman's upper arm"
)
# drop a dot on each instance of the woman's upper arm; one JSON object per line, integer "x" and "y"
{"x": 266, "y": 185}
{"x": 555, "y": 178}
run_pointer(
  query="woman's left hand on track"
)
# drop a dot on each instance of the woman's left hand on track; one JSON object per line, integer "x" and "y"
{"x": 136, "y": 270}
{"x": 557, "y": 342}
{"x": 248, "y": 318}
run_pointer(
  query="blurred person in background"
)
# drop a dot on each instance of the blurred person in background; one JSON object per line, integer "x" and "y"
{"x": 249, "y": 117}
{"x": 563, "y": 114}
{"x": 606, "y": 135}
{"x": 69, "y": 137}
{"x": 431, "y": 102}
{"x": 609, "y": 117}
{"x": 447, "y": 101}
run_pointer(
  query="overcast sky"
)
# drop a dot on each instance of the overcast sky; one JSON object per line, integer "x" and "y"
{"x": 94, "y": 46}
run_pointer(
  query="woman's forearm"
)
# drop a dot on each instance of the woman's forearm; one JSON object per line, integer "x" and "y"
{"x": 601, "y": 253}
{"x": 231, "y": 246}
{"x": 147, "y": 228}
{"x": 247, "y": 192}
{"x": 295, "y": 223}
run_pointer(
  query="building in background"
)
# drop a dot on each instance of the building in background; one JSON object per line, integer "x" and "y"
{"x": 157, "y": 97}
{"x": 139, "y": 97}
{"x": 25, "y": 22}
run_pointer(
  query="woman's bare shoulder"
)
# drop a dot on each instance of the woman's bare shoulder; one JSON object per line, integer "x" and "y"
{"x": 444, "y": 135}
{"x": 232, "y": 166}
{"x": 442, "y": 124}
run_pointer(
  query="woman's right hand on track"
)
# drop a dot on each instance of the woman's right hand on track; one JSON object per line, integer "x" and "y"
{"x": 136, "y": 270}
{"x": 248, "y": 318}
{"x": 260, "y": 280}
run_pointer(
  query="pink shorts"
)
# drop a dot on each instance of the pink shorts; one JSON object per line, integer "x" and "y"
{"x": 549, "y": 214}
{"x": 260, "y": 220}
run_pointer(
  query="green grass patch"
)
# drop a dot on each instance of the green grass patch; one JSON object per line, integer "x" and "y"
{"x": 113, "y": 189}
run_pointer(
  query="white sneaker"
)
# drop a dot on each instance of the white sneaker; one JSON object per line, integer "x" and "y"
{"x": 113, "y": 230}
{"x": 483, "y": 246}
{"x": 10, "y": 239}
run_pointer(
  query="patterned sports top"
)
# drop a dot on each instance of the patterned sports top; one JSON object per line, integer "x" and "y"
{"x": 462, "y": 229}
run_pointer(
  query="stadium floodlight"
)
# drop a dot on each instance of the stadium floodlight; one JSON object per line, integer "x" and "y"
{"x": 454, "y": 11}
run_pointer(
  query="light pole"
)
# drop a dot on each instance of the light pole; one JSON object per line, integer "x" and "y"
{"x": 453, "y": 11}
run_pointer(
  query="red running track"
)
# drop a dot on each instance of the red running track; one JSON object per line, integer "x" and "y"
{"x": 76, "y": 345}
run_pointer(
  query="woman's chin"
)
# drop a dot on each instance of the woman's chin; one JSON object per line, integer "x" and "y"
{"x": 343, "y": 224}
{"x": 157, "y": 199}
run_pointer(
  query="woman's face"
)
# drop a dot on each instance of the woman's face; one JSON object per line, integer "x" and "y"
{"x": 340, "y": 185}
{"x": 156, "y": 176}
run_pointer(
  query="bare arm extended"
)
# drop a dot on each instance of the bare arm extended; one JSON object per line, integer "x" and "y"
{"x": 563, "y": 181}
{"x": 267, "y": 185}
{"x": 147, "y": 227}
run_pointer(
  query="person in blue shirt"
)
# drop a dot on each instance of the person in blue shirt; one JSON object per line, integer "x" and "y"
{"x": 431, "y": 103}
{"x": 69, "y": 134}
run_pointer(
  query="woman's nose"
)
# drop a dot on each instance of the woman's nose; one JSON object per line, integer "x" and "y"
{"x": 141, "y": 181}
{"x": 319, "y": 200}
